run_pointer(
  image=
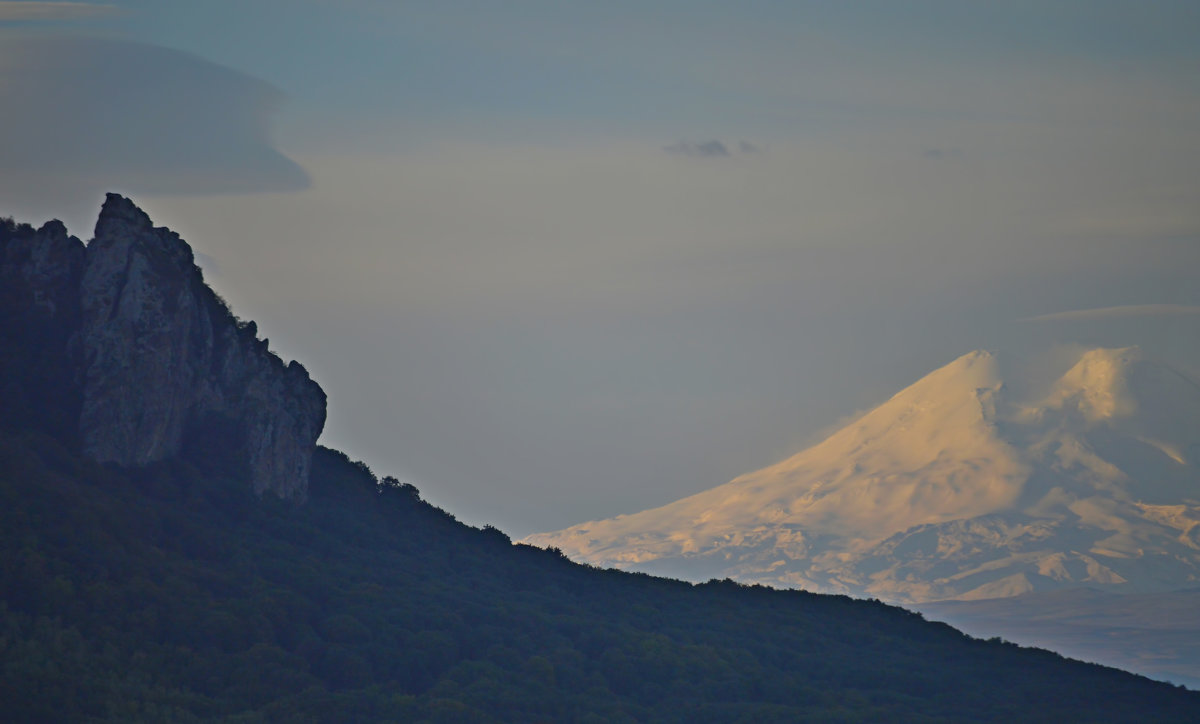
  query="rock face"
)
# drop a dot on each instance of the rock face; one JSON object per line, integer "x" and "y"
{"x": 161, "y": 366}
{"x": 40, "y": 272}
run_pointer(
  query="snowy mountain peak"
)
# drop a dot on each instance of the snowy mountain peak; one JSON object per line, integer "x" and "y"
{"x": 970, "y": 373}
{"x": 951, "y": 490}
{"x": 1123, "y": 387}
{"x": 1098, "y": 386}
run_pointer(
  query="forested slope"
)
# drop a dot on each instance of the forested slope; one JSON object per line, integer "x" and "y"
{"x": 173, "y": 593}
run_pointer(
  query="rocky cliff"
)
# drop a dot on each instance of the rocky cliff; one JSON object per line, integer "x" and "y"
{"x": 40, "y": 272}
{"x": 152, "y": 364}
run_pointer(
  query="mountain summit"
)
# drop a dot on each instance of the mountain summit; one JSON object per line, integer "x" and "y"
{"x": 954, "y": 489}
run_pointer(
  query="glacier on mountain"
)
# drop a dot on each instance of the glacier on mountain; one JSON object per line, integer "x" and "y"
{"x": 955, "y": 488}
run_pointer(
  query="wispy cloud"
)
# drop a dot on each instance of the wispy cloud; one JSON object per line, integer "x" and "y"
{"x": 25, "y": 12}
{"x": 1121, "y": 312}
{"x": 940, "y": 153}
{"x": 710, "y": 149}
{"x": 706, "y": 149}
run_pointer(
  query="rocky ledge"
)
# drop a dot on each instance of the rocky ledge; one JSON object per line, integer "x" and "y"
{"x": 145, "y": 359}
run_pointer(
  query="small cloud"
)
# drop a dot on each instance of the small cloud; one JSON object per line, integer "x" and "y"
{"x": 1122, "y": 312}
{"x": 940, "y": 153}
{"x": 709, "y": 149}
{"x": 49, "y": 12}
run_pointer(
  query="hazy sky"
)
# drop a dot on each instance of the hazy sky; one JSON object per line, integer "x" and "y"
{"x": 556, "y": 261}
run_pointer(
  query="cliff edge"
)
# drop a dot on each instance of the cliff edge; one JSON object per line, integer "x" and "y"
{"x": 121, "y": 348}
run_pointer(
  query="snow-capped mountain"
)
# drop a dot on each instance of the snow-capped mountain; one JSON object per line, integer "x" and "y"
{"x": 954, "y": 489}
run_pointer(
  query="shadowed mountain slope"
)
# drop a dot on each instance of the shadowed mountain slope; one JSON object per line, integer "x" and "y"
{"x": 171, "y": 593}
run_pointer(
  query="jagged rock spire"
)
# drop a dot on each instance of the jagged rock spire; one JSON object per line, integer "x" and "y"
{"x": 161, "y": 365}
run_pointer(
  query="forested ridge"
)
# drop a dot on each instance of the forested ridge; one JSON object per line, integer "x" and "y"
{"x": 172, "y": 593}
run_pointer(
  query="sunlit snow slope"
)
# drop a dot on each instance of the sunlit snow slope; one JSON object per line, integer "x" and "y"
{"x": 951, "y": 489}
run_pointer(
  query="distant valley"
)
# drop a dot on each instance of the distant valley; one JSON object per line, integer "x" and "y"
{"x": 1154, "y": 634}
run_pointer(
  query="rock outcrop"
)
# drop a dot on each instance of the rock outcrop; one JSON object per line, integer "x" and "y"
{"x": 161, "y": 366}
{"x": 40, "y": 272}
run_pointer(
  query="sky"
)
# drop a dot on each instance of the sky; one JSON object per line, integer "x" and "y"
{"x": 556, "y": 261}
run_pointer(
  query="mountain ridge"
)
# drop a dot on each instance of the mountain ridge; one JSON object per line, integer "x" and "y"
{"x": 166, "y": 586}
